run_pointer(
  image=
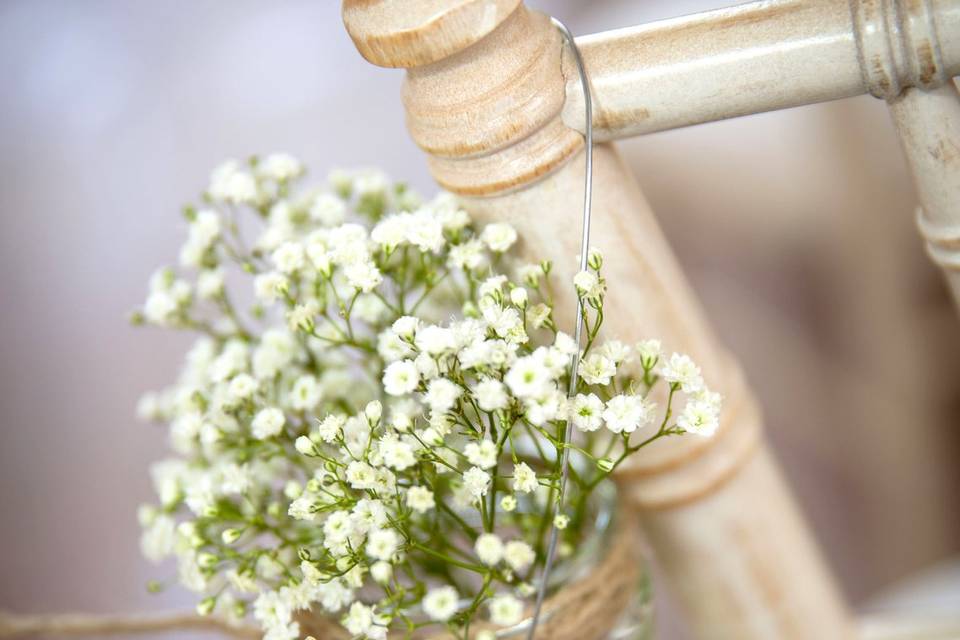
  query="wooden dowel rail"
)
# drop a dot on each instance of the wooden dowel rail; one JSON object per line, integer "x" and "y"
{"x": 761, "y": 56}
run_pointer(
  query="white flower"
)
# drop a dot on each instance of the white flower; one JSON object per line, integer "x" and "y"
{"x": 561, "y": 521}
{"x": 565, "y": 344}
{"x": 648, "y": 350}
{"x": 499, "y": 236}
{"x": 435, "y": 340}
{"x": 483, "y": 455}
{"x": 505, "y": 610}
{"x": 425, "y": 231}
{"x": 330, "y": 428}
{"x": 680, "y": 369}
{"x": 489, "y": 548}
{"x": 392, "y": 347}
{"x": 391, "y": 231}
{"x": 381, "y": 572}
{"x": 267, "y": 423}
{"x": 700, "y": 417}
{"x": 441, "y": 395}
{"x": 210, "y": 283}
{"x": 597, "y": 369}
{"x": 519, "y": 555}
{"x": 269, "y": 286}
{"x": 159, "y": 538}
{"x": 382, "y": 544}
{"x": 280, "y": 167}
{"x": 524, "y": 479}
{"x": 527, "y": 378}
{"x": 588, "y": 285}
{"x": 328, "y": 209}
{"x": 400, "y": 378}
{"x": 616, "y": 351}
{"x": 625, "y": 413}
{"x": 397, "y": 454}
{"x": 242, "y": 387}
{"x": 160, "y": 307}
{"x": 586, "y": 412}
{"x": 508, "y": 503}
{"x": 476, "y": 481}
{"x": 406, "y": 326}
{"x": 305, "y": 393}
{"x": 490, "y": 395}
{"x": 363, "y": 275}
{"x": 229, "y": 183}
{"x": 359, "y": 620}
{"x": 420, "y": 499}
{"x": 468, "y": 255}
{"x": 441, "y": 603}
{"x": 518, "y": 296}
{"x": 361, "y": 475}
{"x": 289, "y": 257}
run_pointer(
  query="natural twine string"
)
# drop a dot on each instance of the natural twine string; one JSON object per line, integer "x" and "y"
{"x": 14, "y": 625}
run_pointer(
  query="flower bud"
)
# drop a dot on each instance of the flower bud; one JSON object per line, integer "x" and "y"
{"x": 229, "y": 536}
{"x": 205, "y": 607}
{"x": 292, "y": 489}
{"x": 381, "y": 572}
{"x": 314, "y": 485}
{"x": 518, "y": 296}
{"x": 594, "y": 259}
{"x": 373, "y": 411}
{"x": 605, "y": 465}
{"x": 207, "y": 560}
{"x": 305, "y": 446}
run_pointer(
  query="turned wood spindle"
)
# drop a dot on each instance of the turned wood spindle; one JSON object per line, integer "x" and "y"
{"x": 484, "y": 96}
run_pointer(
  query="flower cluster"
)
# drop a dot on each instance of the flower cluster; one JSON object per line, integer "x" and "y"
{"x": 371, "y": 427}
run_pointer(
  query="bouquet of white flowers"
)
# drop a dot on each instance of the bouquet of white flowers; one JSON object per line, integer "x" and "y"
{"x": 373, "y": 431}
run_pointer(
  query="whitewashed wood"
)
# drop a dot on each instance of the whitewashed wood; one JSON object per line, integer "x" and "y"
{"x": 929, "y": 127}
{"x": 759, "y": 57}
{"x": 723, "y": 525}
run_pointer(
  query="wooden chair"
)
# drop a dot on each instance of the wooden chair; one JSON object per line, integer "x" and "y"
{"x": 494, "y": 100}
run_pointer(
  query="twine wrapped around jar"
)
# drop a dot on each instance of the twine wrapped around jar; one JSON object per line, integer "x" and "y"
{"x": 589, "y": 607}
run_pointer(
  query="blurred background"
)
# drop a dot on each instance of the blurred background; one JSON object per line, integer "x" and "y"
{"x": 795, "y": 227}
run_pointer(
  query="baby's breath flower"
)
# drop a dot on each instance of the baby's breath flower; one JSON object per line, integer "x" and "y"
{"x": 482, "y": 454}
{"x": 476, "y": 481}
{"x": 489, "y": 548}
{"x": 267, "y": 423}
{"x": 382, "y": 544}
{"x": 505, "y": 610}
{"x": 518, "y": 554}
{"x": 441, "y": 603}
{"x": 524, "y": 479}
{"x": 490, "y": 394}
{"x": 499, "y": 236}
{"x": 680, "y": 369}
{"x": 348, "y": 423}
{"x": 420, "y": 499}
{"x": 625, "y": 413}
{"x": 586, "y": 412}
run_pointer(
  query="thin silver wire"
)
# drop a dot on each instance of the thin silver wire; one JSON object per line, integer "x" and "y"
{"x": 575, "y": 359}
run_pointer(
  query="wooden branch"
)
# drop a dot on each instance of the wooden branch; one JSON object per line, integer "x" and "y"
{"x": 80, "y": 624}
{"x": 760, "y": 57}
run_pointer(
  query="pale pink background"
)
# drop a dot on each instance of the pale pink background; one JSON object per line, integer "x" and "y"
{"x": 112, "y": 113}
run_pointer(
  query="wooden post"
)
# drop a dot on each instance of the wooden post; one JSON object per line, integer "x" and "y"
{"x": 929, "y": 127}
{"x": 484, "y": 95}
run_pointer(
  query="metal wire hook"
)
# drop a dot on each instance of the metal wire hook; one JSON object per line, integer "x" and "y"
{"x": 575, "y": 359}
